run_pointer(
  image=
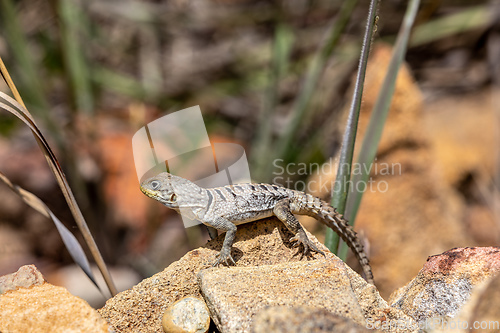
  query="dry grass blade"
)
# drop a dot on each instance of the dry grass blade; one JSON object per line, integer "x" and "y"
{"x": 74, "y": 248}
{"x": 10, "y": 83}
{"x": 19, "y": 111}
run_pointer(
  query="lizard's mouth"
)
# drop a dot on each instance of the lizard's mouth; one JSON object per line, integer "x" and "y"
{"x": 151, "y": 194}
{"x": 169, "y": 200}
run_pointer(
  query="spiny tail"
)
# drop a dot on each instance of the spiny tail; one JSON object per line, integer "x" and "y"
{"x": 322, "y": 211}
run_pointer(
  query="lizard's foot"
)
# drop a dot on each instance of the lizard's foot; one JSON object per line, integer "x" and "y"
{"x": 223, "y": 258}
{"x": 300, "y": 239}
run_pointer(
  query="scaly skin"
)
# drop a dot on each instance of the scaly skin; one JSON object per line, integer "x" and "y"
{"x": 223, "y": 208}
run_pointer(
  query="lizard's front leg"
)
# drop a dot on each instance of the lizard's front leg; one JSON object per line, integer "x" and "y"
{"x": 223, "y": 224}
{"x": 283, "y": 213}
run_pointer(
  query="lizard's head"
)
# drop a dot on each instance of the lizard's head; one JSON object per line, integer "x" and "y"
{"x": 172, "y": 191}
{"x": 160, "y": 188}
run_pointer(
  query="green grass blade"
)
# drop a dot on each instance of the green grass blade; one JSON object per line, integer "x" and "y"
{"x": 341, "y": 188}
{"x": 123, "y": 84}
{"x": 282, "y": 47}
{"x": 379, "y": 114}
{"x": 72, "y": 27}
{"x": 479, "y": 17}
{"x": 22, "y": 57}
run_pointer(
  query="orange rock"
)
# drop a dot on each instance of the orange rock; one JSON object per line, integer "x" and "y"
{"x": 45, "y": 308}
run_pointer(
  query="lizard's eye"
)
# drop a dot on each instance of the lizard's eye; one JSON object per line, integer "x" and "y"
{"x": 173, "y": 197}
{"x": 155, "y": 185}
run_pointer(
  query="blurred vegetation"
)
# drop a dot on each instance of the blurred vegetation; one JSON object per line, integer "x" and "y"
{"x": 273, "y": 76}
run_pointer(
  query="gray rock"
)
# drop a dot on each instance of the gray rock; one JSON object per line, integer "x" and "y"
{"x": 445, "y": 282}
{"x": 481, "y": 313}
{"x": 187, "y": 315}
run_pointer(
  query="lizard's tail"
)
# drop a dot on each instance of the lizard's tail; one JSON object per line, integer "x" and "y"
{"x": 319, "y": 209}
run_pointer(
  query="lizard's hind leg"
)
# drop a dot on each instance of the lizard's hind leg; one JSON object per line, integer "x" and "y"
{"x": 282, "y": 212}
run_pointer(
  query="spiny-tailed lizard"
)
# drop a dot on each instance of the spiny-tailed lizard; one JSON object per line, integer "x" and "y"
{"x": 223, "y": 208}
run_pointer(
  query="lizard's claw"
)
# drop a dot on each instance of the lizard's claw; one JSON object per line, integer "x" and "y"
{"x": 223, "y": 258}
{"x": 301, "y": 239}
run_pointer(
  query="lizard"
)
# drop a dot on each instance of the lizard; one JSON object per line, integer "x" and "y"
{"x": 223, "y": 208}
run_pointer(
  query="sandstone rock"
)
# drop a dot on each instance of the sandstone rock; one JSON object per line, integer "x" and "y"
{"x": 235, "y": 295}
{"x": 25, "y": 277}
{"x": 188, "y": 315}
{"x": 463, "y": 129}
{"x": 445, "y": 282}
{"x": 265, "y": 242}
{"x": 303, "y": 319}
{"x": 44, "y": 308}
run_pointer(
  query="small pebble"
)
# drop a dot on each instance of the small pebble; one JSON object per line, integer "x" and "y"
{"x": 187, "y": 315}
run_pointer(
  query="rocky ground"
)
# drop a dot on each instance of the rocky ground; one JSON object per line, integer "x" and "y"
{"x": 270, "y": 290}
